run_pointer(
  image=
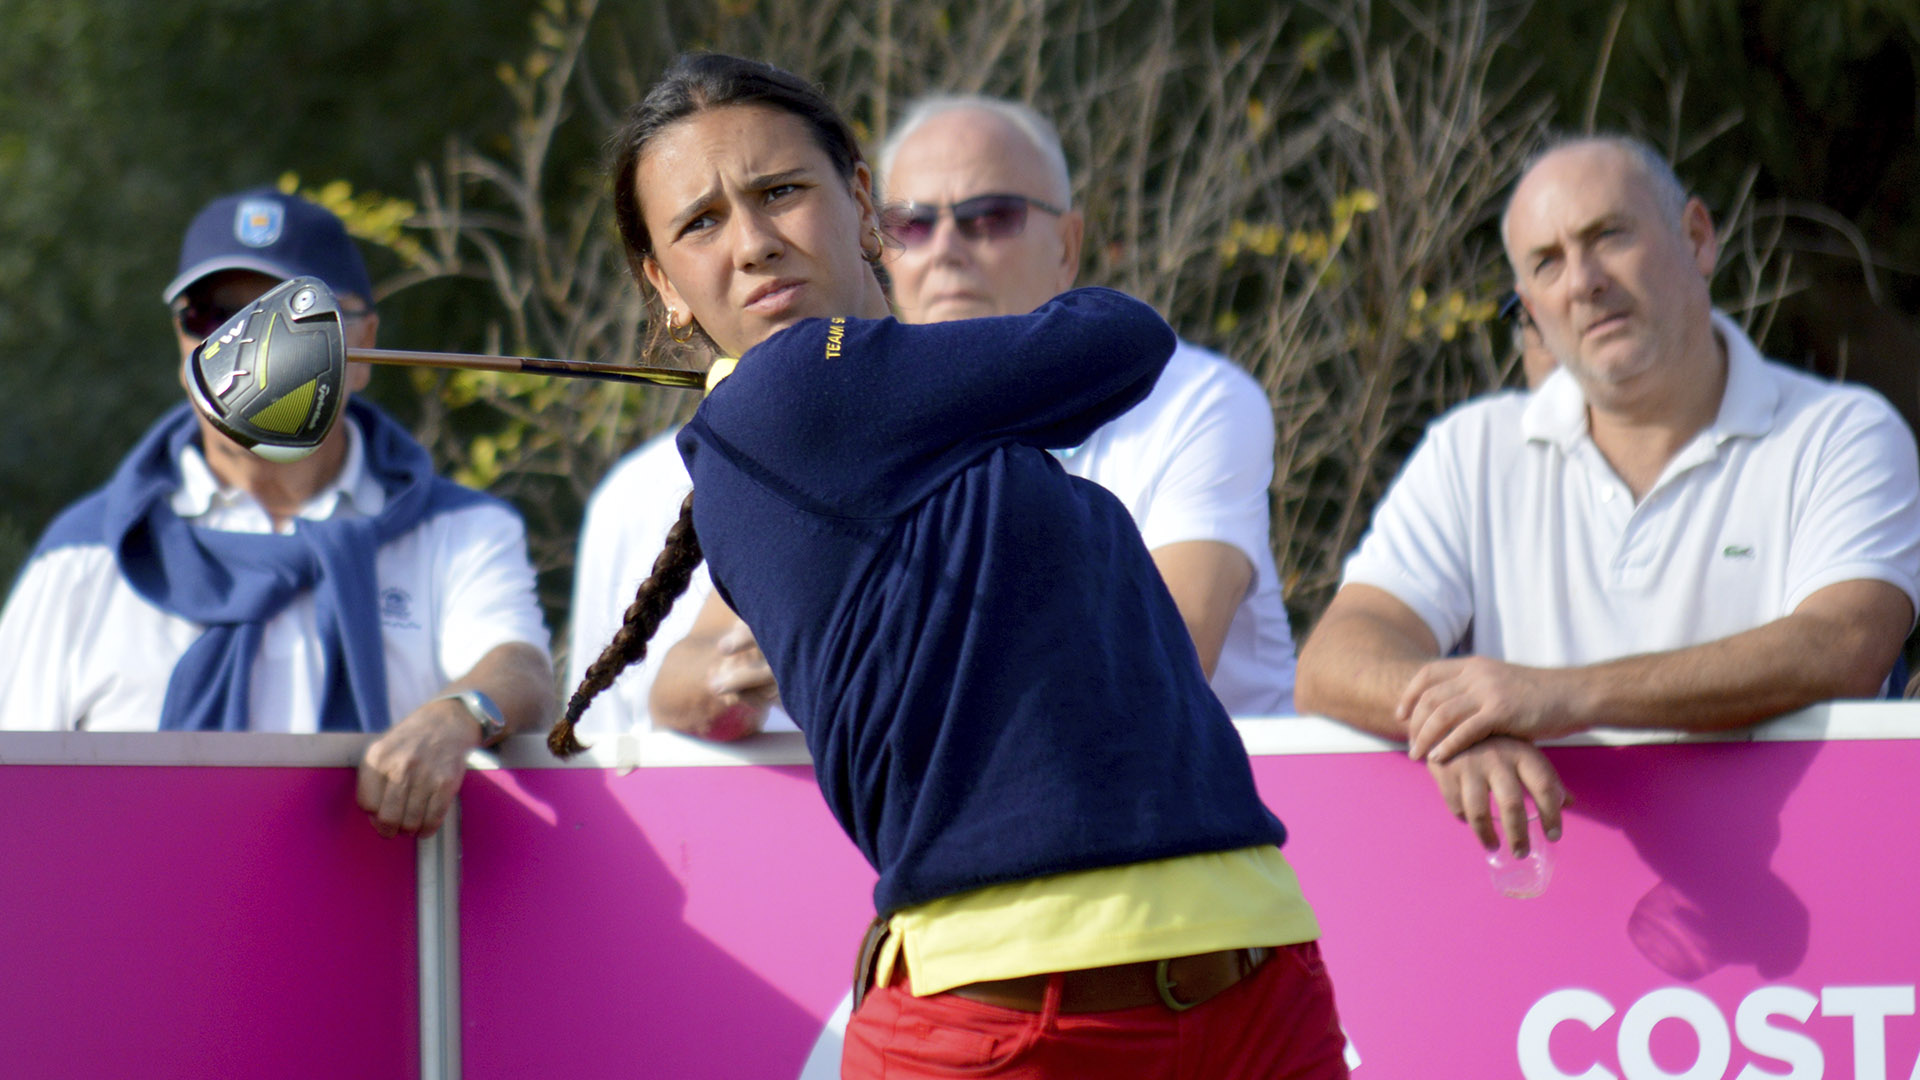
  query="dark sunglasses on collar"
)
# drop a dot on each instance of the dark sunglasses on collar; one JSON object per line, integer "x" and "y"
{"x": 992, "y": 217}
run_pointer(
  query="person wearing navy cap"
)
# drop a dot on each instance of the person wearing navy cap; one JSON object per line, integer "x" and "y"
{"x": 207, "y": 589}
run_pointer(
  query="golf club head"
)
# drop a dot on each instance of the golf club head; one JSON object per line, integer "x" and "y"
{"x": 271, "y": 378}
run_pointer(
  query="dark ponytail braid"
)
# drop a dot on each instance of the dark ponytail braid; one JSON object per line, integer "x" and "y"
{"x": 672, "y": 571}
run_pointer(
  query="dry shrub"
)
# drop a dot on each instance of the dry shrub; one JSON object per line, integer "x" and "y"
{"x": 536, "y": 233}
{"x": 1314, "y": 196}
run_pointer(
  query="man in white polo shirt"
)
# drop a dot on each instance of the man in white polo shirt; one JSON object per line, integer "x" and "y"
{"x": 1670, "y": 532}
{"x": 207, "y": 589}
{"x": 986, "y": 229}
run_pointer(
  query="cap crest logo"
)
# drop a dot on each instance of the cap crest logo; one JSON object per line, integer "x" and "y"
{"x": 258, "y": 222}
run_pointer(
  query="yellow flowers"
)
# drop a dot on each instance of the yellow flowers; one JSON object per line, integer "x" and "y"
{"x": 1257, "y": 119}
{"x": 551, "y": 26}
{"x": 1261, "y": 240}
{"x": 1446, "y": 318}
{"x": 371, "y": 216}
{"x": 1315, "y": 47}
{"x": 1319, "y": 249}
{"x": 1316, "y": 246}
{"x": 1357, "y": 201}
{"x": 484, "y": 453}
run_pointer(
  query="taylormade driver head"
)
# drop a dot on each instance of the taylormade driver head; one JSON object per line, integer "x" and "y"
{"x": 271, "y": 378}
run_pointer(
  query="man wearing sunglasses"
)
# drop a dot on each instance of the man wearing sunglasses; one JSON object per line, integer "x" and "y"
{"x": 980, "y": 206}
{"x": 206, "y": 589}
{"x": 980, "y": 210}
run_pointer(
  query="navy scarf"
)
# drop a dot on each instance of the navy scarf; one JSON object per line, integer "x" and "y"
{"x": 234, "y": 583}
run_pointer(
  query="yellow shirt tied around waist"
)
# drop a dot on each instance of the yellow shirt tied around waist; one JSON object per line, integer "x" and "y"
{"x": 1094, "y": 918}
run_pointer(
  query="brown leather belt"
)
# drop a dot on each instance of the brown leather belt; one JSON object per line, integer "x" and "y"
{"x": 1179, "y": 983}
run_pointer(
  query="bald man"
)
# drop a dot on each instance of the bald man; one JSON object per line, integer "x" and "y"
{"x": 983, "y": 224}
{"x": 1670, "y": 532}
{"x": 981, "y": 209}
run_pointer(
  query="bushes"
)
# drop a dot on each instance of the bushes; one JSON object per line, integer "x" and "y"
{"x": 1314, "y": 194}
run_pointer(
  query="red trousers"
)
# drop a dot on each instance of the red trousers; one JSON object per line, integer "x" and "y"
{"x": 1278, "y": 1023}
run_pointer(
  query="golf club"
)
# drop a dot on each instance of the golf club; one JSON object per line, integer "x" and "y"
{"x": 271, "y": 377}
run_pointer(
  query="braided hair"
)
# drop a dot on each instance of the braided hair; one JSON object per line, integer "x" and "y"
{"x": 694, "y": 83}
{"x": 672, "y": 571}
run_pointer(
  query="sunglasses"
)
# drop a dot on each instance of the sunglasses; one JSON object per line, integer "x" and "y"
{"x": 1513, "y": 312}
{"x": 990, "y": 217}
{"x": 199, "y": 318}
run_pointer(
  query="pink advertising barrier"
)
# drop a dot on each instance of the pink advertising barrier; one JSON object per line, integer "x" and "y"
{"x": 182, "y": 920}
{"x": 1737, "y": 909}
{"x": 1719, "y": 909}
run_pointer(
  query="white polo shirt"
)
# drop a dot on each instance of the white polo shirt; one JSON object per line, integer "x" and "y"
{"x": 80, "y": 649}
{"x": 1191, "y": 462}
{"x": 1194, "y": 461}
{"x": 1509, "y": 527}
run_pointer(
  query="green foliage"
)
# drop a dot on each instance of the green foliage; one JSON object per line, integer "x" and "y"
{"x": 1819, "y": 97}
{"x": 118, "y": 120}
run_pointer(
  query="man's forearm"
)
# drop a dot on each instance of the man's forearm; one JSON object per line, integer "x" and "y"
{"x": 519, "y": 679}
{"x": 1354, "y": 669}
{"x": 1207, "y": 579}
{"x": 1838, "y": 643}
{"x": 411, "y": 774}
{"x": 1785, "y": 665}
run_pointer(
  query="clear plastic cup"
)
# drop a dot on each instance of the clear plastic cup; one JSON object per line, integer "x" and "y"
{"x": 1522, "y": 879}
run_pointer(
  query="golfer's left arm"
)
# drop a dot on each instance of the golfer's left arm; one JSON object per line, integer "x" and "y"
{"x": 410, "y": 775}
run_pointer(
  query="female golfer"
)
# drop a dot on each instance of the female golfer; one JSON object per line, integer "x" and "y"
{"x": 1005, "y": 711}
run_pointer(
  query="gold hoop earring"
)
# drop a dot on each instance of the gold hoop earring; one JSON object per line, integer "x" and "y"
{"x": 681, "y": 333}
{"x": 879, "y": 245}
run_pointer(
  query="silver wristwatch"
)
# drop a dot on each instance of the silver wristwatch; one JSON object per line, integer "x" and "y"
{"x": 493, "y": 723}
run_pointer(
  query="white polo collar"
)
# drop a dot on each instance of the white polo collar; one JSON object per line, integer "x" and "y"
{"x": 355, "y": 490}
{"x": 1557, "y": 411}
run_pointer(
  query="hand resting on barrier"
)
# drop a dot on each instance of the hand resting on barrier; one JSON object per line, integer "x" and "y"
{"x": 410, "y": 775}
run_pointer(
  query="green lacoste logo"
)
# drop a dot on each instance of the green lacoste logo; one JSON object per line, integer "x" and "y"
{"x": 1737, "y": 551}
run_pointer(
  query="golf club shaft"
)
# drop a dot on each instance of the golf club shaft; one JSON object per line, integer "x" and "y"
{"x": 574, "y": 369}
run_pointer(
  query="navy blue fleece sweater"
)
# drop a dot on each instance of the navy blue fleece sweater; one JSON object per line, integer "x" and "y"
{"x": 992, "y": 678}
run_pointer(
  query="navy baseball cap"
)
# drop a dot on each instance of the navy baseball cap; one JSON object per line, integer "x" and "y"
{"x": 269, "y": 232}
